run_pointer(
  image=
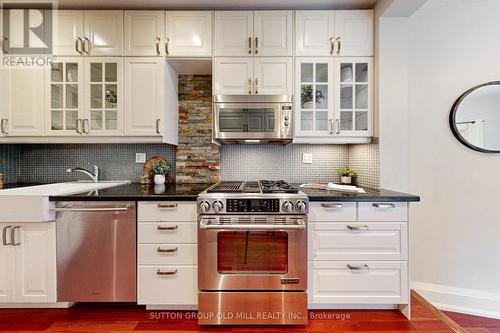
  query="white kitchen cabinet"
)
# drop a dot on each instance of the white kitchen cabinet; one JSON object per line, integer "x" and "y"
{"x": 273, "y": 33}
{"x": 353, "y": 97}
{"x": 273, "y": 76}
{"x": 334, "y": 33}
{"x": 30, "y": 263}
{"x": 234, "y": 76}
{"x": 68, "y": 32}
{"x": 354, "y": 33}
{"x": 188, "y": 34}
{"x": 35, "y": 263}
{"x": 103, "y": 32}
{"x": 64, "y": 86}
{"x": 103, "y": 114}
{"x": 143, "y": 96}
{"x": 144, "y": 33}
{"x": 314, "y": 32}
{"x": 253, "y": 76}
{"x": 22, "y": 101}
{"x": 259, "y": 33}
{"x": 233, "y": 33}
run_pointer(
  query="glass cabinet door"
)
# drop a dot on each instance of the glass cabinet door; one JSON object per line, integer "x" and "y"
{"x": 65, "y": 96}
{"x": 353, "y": 101}
{"x": 314, "y": 96}
{"x": 103, "y": 111}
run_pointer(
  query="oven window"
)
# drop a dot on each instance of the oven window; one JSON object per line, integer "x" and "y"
{"x": 252, "y": 252}
{"x": 246, "y": 120}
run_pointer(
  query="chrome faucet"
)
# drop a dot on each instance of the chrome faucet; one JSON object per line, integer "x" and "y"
{"x": 94, "y": 176}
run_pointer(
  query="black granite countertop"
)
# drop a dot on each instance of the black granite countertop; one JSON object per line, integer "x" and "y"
{"x": 189, "y": 192}
{"x": 138, "y": 192}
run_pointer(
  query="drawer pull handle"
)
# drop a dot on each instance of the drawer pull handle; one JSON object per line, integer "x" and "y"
{"x": 358, "y": 267}
{"x": 334, "y": 205}
{"x": 170, "y": 206}
{"x": 172, "y": 250}
{"x": 160, "y": 272}
{"x": 175, "y": 227}
{"x": 364, "y": 227}
{"x": 383, "y": 205}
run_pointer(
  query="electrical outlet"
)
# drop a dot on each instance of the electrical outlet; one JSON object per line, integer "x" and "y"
{"x": 140, "y": 157}
{"x": 307, "y": 158}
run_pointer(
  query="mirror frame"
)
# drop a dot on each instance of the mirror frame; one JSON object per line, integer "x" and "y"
{"x": 453, "y": 124}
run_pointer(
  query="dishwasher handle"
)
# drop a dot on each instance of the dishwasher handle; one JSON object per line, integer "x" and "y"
{"x": 93, "y": 209}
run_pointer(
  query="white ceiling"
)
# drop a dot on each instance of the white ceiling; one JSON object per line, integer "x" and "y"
{"x": 216, "y": 4}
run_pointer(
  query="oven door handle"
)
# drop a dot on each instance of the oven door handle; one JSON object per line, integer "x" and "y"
{"x": 207, "y": 225}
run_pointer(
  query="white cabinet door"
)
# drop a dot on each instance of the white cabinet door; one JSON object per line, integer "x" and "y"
{"x": 233, "y": 33}
{"x": 353, "y": 96}
{"x": 144, "y": 32}
{"x": 35, "y": 262}
{"x": 314, "y": 33}
{"x": 273, "y": 76}
{"x": 143, "y": 96}
{"x": 103, "y": 115}
{"x": 314, "y": 98}
{"x": 355, "y": 30}
{"x": 7, "y": 273}
{"x": 234, "y": 76}
{"x": 273, "y": 33}
{"x": 189, "y": 34}
{"x": 23, "y": 92}
{"x": 68, "y": 32}
{"x": 104, "y": 32}
{"x": 64, "y": 86}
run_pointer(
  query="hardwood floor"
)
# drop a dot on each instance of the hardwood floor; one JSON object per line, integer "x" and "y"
{"x": 128, "y": 318}
{"x": 475, "y": 324}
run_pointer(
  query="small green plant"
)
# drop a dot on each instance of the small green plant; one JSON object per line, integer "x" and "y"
{"x": 160, "y": 168}
{"x": 306, "y": 95}
{"x": 345, "y": 171}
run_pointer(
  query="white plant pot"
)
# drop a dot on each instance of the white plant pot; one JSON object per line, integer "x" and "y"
{"x": 159, "y": 179}
{"x": 345, "y": 180}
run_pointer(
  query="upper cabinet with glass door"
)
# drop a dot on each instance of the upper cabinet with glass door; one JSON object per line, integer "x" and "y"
{"x": 259, "y": 33}
{"x": 89, "y": 32}
{"x": 344, "y": 33}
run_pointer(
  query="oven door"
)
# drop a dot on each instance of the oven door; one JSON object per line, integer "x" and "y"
{"x": 247, "y": 121}
{"x": 251, "y": 256}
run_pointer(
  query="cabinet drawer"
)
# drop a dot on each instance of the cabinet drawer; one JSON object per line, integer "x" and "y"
{"x": 172, "y": 232}
{"x": 358, "y": 241}
{"x": 167, "y": 254}
{"x": 379, "y": 283}
{"x": 332, "y": 211}
{"x": 180, "y": 287}
{"x": 166, "y": 211}
{"x": 383, "y": 211}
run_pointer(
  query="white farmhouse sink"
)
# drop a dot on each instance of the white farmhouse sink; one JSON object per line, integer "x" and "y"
{"x": 31, "y": 203}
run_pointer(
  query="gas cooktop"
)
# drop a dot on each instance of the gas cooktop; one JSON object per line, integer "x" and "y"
{"x": 261, "y": 186}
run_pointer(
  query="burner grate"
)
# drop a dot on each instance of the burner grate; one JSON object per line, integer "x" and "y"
{"x": 227, "y": 187}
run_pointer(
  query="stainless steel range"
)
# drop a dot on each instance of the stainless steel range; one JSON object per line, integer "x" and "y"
{"x": 252, "y": 254}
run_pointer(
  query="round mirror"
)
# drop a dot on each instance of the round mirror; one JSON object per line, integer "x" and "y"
{"x": 475, "y": 118}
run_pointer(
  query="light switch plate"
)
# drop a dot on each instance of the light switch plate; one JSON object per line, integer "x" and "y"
{"x": 140, "y": 157}
{"x": 307, "y": 158}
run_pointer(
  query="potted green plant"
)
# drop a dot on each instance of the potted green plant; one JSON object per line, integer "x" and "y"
{"x": 160, "y": 168}
{"x": 346, "y": 174}
{"x": 306, "y": 97}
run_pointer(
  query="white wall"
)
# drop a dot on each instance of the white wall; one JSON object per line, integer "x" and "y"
{"x": 455, "y": 238}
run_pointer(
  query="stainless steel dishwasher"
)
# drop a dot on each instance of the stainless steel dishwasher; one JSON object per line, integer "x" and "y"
{"x": 96, "y": 251}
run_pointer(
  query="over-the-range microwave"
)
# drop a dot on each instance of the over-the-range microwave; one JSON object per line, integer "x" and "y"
{"x": 253, "y": 119}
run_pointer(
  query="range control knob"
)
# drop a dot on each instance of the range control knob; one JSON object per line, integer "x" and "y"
{"x": 217, "y": 206}
{"x": 301, "y": 207}
{"x": 204, "y": 206}
{"x": 287, "y": 207}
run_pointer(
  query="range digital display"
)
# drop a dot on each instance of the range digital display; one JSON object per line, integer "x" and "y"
{"x": 253, "y": 205}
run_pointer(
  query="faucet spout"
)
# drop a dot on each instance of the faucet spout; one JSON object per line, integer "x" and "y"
{"x": 93, "y": 177}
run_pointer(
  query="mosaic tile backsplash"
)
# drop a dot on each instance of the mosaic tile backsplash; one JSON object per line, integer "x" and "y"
{"x": 47, "y": 163}
{"x": 365, "y": 159}
{"x": 9, "y": 162}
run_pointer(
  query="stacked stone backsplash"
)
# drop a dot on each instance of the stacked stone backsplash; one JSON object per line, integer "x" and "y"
{"x": 197, "y": 158}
